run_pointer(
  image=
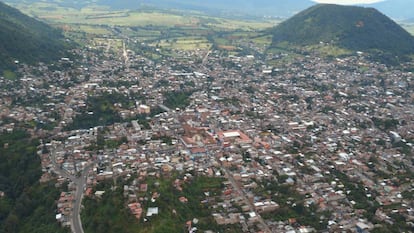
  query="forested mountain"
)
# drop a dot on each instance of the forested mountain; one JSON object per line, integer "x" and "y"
{"x": 25, "y": 205}
{"x": 26, "y": 39}
{"x": 349, "y": 27}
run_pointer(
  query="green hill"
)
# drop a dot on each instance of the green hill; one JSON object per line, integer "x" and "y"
{"x": 26, "y": 39}
{"x": 27, "y": 204}
{"x": 348, "y": 27}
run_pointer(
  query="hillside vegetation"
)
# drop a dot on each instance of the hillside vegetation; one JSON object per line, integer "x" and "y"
{"x": 353, "y": 28}
{"x": 27, "y": 205}
{"x": 26, "y": 39}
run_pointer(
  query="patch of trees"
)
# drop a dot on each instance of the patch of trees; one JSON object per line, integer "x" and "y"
{"x": 385, "y": 124}
{"x": 177, "y": 99}
{"x": 28, "y": 40}
{"x": 101, "y": 111}
{"x": 292, "y": 206}
{"x": 27, "y": 206}
{"x": 110, "y": 213}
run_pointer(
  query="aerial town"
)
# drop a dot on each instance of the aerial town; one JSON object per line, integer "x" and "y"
{"x": 300, "y": 144}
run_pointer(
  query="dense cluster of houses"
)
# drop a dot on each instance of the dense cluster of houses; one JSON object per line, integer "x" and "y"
{"x": 309, "y": 123}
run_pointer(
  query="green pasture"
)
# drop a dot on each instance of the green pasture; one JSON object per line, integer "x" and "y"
{"x": 101, "y": 15}
{"x": 167, "y": 29}
{"x": 185, "y": 43}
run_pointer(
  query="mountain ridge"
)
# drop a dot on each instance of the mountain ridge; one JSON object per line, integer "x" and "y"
{"x": 396, "y": 9}
{"x": 349, "y": 27}
{"x": 26, "y": 39}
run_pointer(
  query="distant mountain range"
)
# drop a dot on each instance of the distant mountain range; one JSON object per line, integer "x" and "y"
{"x": 26, "y": 39}
{"x": 396, "y": 9}
{"x": 282, "y": 8}
{"x": 350, "y": 27}
{"x": 409, "y": 20}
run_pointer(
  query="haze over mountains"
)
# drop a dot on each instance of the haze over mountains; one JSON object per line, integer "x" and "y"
{"x": 186, "y": 111}
{"x": 31, "y": 40}
{"x": 396, "y": 9}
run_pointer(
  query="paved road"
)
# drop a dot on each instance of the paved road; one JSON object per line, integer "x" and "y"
{"x": 80, "y": 183}
{"x": 162, "y": 106}
{"x": 125, "y": 53}
{"x": 206, "y": 57}
{"x": 229, "y": 177}
{"x": 76, "y": 223}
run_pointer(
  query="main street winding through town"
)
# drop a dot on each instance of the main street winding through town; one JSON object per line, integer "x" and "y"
{"x": 237, "y": 188}
{"x": 80, "y": 183}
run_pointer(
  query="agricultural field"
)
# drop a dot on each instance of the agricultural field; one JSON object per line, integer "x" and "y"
{"x": 165, "y": 29}
{"x": 246, "y": 25}
{"x": 92, "y": 29}
{"x": 101, "y": 15}
{"x": 184, "y": 43}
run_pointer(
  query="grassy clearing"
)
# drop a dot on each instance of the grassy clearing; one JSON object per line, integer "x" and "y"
{"x": 185, "y": 43}
{"x": 10, "y": 75}
{"x": 263, "y": 40}
{"x": 44, "y": 10}
{"x": 96, "y": 30}
{"x": 248, "y": 25}
{"x": 101, "y": 15}
{"x": 169, "y": 30}
{"x": 329, "y": 50}
{"x": 138, "y": 19}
